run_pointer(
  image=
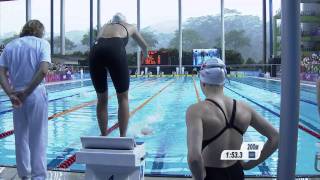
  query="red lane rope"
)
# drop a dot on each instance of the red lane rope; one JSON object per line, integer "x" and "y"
{"x": 315, "y": 134}
{"x": 6, "y": 134}
{"x": 196, "y": 89}
{"x": 68, "y": 162}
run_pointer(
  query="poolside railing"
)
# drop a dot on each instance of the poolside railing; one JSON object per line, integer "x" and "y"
{"x": 308, "y": 72}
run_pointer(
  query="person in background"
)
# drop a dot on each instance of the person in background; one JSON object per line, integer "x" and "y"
{"x": 27, "y": 60}
{"x": 218, "y": 123}
{"x": 109, "y": 54}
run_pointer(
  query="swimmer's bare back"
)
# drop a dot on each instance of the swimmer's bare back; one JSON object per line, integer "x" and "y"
{"x": 111, "y": 30}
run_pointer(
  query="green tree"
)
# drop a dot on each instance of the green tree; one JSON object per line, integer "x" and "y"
{"x": 250, "y": 61}
{"x": 9, "y": 39}
{"x": 69, "y": 44}
{"x": 233, "y": 57}
{"x": 148, "y": 36}
{"x": 190, "y": 40}
{"x": 209, "y": 28}
{"x": 85, "y": 38}
{"x": 235, "y": 40}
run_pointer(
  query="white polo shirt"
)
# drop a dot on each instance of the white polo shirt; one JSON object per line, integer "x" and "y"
{"x": 22, "y": 58}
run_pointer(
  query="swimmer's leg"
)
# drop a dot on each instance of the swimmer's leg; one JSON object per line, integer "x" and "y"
{"x": 123, "y": 112}
{"x": 102, "y": 112}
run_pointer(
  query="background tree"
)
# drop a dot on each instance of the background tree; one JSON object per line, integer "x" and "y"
{"x": 191, "y": 40}
{"x": 209, "y": 28}
{"x": 85, "y": 38}
{"x": 70, "y": 45}
{"x": 233, "y": 57}
{"x": 250, "y": 61}
{"x": 149, "y": 37}
{"x": 235, "y": 40}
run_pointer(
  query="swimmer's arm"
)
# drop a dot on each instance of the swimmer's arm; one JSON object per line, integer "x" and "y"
{"x": 4, "y": 81}
{"x": 141, "y": 42}
{"x": 101, "y": 31}
{"x": 194, "y": 142}
{"x": 37, "y": 78}
{"x": 266, "y": 129}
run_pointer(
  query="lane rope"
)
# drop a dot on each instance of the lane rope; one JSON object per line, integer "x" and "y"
{"x": 303, "y": 128}
{"x": 75, "y": 108}
{"x": 196, "y": 89}
{"x": 68, "y": 162}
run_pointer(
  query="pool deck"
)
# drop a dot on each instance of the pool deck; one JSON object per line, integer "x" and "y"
{"x": 8, "y": 173}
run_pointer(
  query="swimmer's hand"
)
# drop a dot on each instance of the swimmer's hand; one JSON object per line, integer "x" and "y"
{"x": 16, "y": 102}
{"x": 144, "y": 55}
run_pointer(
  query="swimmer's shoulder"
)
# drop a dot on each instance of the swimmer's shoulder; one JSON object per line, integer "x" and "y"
{"x": 197, "y": 109}
{"x": 131, "y": 28}
{"x": 244, "y": 114}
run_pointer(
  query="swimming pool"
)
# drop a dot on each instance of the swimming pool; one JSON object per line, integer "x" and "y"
{"x": 160, "y": 104}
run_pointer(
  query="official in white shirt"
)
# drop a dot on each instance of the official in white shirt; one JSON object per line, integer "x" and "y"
{"x": 27, "y": 59}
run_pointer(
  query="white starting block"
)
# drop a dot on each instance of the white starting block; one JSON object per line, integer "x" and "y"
{"x": 112, "y": 158}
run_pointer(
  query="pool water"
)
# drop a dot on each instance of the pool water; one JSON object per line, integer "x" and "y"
{"x": 159, "y": 104}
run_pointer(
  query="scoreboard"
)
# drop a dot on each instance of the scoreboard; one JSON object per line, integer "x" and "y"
{"x": 153, "y": 58}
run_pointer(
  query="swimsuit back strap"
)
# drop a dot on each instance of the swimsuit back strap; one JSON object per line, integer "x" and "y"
{"x": 127, "y": 38}
{"x": 224, "y": 114}
{"x": 234, "y": 111}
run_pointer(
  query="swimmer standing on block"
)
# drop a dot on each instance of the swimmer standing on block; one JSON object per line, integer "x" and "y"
{"x": 109, "y": 54}
{"x": 218, "y": 123}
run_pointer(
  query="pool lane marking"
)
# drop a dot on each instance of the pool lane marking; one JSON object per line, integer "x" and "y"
{"x": 311, "y": 127}
{"x": 72, "y": 88}
{"x": 60, "y": 83}
{"x": 52, "y": 100}
{"x": 89, "y": 103}
{"x": 68, "y": 162}
{"x": 10, "y": 110}
{"x": 11, "y": 132}
{"x": 278, "y": 80}
{"x": 305, "y": 129}
{"x": 53, "y": 83}
{"x": 264, "y": 168}
{"x": 274, "y": 91}
{"x": 158, "y": 161}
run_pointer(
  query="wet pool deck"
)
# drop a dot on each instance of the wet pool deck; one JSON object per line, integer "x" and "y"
{"x": 7, "y": 173}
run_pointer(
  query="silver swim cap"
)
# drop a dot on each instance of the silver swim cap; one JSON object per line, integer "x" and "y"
{"x": 119, "y": 17}
{"x": 213, "y": 72}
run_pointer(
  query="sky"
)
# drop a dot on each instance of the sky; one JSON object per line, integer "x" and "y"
{"x": 12, "y": 14}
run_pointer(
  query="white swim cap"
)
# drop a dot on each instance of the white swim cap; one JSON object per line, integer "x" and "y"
{"x": 119, "y": 17}
{"x": 213, "y": 72}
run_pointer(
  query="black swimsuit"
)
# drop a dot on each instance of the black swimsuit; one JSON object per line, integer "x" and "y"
{"x": 110, "y": 53}
{"x": 234, "y": 172}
